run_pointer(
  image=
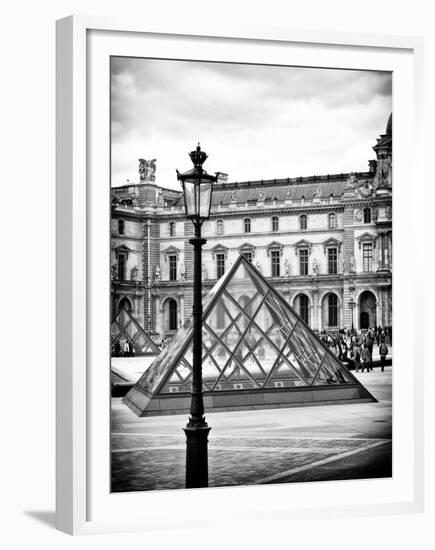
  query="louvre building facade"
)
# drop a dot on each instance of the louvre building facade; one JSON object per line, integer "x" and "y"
{"x": 324, "y": 242}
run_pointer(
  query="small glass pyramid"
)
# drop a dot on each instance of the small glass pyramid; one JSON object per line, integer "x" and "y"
{"x": 125, "y": 327}
{"x": 253, "y": 343}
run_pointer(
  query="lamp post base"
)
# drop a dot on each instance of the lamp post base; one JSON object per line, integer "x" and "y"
{"x": 196, "y": 454}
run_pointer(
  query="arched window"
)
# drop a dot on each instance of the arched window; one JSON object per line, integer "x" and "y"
{"x": 172, "y": 314}
{"x": 125, "y": 310}
{"x": 220, "y": 227}
{"x": 125, "y": 304}
{"x": 303, "y": 221}
{"x": 332, "y": 310}
{"x": 247, "y": 223}
{"x": 275, "y": 223}
{"x": 304, "y": 308}
{"x": 332, "y": 221}
{"x": 367, "y": 215}
{"x": 172, "y": 229}
{"x": 121, "y": 227}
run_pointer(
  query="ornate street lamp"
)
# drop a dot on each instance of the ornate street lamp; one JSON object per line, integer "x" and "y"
{"x": 197, "y": 189}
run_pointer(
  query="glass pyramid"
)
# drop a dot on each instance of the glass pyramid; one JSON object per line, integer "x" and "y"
{"x": 125, "y": 327}
{"x": 253, "y": 342}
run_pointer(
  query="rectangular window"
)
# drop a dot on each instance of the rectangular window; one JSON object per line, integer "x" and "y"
{"x": 122, "y": 260}
{"x": 275, "y": 259}
{"x": 172, "y": 268}
{"x": 248, "y": 256}
{"x": 220, "y": 265}
{"x": 275, "y": 223}
{"x": 303, "y": 262}
{"x": 367, "y": 256}
{"x": 247, "y": 225}
{"x": 332, "y": 260}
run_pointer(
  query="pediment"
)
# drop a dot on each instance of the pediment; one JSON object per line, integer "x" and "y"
{"x": 302, "y": 244}
{"x": 219, "y": 248}
{"x": 171, "y": 250}
{"x": 367, "y": 238}
{"x": 274, "y": 245}
{"x": 332, "y": 243}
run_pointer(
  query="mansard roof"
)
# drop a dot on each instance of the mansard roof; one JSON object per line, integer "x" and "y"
{"x": 281, "y": 189}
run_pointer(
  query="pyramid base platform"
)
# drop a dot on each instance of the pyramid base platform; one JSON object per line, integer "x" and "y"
{"x": 242, "y": 400}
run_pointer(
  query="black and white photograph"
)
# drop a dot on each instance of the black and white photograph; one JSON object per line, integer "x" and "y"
{"x": 250, "y": 274}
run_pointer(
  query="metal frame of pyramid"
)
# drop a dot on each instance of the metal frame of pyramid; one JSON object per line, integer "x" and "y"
{"x": 137, "y": 337}
{"x": 257, "y": 353}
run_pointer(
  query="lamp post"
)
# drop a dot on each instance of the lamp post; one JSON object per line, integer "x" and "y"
{"x": 352, "y": 304}
{"x": 197, "y": 189}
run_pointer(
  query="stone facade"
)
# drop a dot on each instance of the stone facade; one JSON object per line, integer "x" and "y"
{"x": 325, "y": 238}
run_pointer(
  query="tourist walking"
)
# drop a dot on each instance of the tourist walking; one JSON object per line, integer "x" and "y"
{"x": 365, "y": 358}
{"x": 356, "y": 357}
{"x": 383, "y": 352}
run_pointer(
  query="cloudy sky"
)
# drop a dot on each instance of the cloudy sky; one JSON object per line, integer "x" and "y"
{"x": 255, "y": 122}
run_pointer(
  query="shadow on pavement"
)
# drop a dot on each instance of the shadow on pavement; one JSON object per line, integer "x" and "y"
{"x": 47, "y": 517}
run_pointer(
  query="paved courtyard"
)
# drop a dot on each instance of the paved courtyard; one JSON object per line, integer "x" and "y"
{"x": 260, "y": 446}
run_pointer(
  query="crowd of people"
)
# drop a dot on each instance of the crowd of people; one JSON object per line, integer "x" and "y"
{"x": 356, "y": 347}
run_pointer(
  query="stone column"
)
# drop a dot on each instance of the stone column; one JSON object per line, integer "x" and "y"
{"x": 341, "y": 312}
{"x": 319, "y": 315}
{"x": 379, "y": 306}
{"x": 357, "y": 315}
{"x": 380, "y": 251}
{"x": 157, "y": 317}
{"x": 314, "y": 315}
{"x": 181, "y": 296}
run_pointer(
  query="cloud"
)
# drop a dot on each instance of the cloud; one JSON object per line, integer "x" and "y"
{"x": 254, "y": 121}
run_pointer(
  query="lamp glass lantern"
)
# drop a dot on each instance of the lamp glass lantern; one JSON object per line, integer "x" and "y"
{"x": 197, "y": 188}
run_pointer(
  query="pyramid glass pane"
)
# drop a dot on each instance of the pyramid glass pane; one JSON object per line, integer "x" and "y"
{"x": 115, "y": 330}
{"x": 284, "y": 376}
{"x": 332, "y": 372}
{"x": 236, "y": 377}
{"x": 266, "y": 353}
{"x": 166, "y": 361}
{"x": 253, "y": 342}
{"x": 304, "y": 352}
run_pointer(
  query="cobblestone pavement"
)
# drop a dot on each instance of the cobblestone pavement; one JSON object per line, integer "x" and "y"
{"x": 266, "y": 446}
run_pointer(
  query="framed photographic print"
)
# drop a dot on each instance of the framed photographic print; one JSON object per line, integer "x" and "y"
{"x": 232, "y": 261}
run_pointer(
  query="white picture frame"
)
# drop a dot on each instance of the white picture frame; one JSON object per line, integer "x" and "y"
{"x": 84, "y": 505}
